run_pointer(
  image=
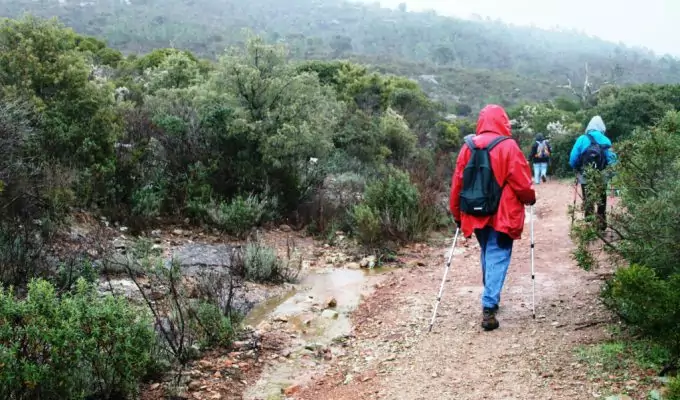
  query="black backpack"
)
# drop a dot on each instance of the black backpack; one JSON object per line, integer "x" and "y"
{"x": 481, "y": 192}
{"x": 594, "y": 156}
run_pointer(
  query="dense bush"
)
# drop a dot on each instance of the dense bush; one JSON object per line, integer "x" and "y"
{"x": 648, "y": 302}
{"x": 647, "y": 176}
{"x": 626, "y": 109}
{"x": 34, "y": 194}
{"x": 673, "y": 389}
{"x": 66, "y": 348}
{"x": 262, "y": 264}
{"x": 644, "y": 231}
{"x": 391, "y": 211}
{"x": 169, "y": 135}
{"x": 241, "y": 214}
{"x": 561, "y": 149}
{"x": 214, "y": 327}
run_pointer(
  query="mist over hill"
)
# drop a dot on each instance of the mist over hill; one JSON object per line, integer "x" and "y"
{"x": 457, "y": 60}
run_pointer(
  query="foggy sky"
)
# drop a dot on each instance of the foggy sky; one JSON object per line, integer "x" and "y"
{"x": 654, "y": 24}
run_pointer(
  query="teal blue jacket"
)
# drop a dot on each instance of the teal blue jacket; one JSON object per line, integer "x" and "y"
{"x": 596, "y": 129}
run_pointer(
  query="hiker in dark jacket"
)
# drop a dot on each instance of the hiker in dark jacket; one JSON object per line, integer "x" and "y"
{"x": 594, "y": 132}
{"x": 495, "y": 233}
{"x": 540, "y": 158}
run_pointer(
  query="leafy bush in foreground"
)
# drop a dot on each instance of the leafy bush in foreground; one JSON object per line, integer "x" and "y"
{"x": 644, "y": 231}
{"x": 650, "y": 303}
{"x": 70, "y": 347}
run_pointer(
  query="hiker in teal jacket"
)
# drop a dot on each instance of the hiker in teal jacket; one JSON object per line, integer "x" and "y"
{"x": 596, "y": 129}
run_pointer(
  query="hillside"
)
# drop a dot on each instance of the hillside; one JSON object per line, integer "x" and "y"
{"x": 468, "y": 57}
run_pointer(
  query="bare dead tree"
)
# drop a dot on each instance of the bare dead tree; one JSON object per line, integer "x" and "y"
{"x": 587, "y": 93}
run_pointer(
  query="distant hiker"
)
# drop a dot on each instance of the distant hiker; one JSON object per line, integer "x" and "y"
{"x": 490, "y": 186}
{"x": 540, "y": 158}
{"x": 594, "y": 149}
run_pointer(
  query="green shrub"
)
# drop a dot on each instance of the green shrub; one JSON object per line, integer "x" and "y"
{"x": 212, "y": 326}
{"x": 261, "y": 264}
{"x": 391, "y": 211}
{"x": 148, "y": 201}
{"x": 367, "y": 224}
{"x": 673, "y": 389}
{"x": 66, "y": 348}
{"x": 68, "y": 274}
{"x": 644, "y": 232}
{"x": 241, "y": 214}
{"x": 648, "y": 302}
{"x": 559, "y": 158}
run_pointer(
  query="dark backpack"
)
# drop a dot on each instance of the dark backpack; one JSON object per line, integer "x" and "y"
{"x": 594, "y": 155}
{"x": 481, "y": 193}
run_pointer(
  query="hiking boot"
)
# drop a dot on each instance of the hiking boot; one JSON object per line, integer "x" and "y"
{"x": 544, "y": 178}
{"x": 489, "y": 321}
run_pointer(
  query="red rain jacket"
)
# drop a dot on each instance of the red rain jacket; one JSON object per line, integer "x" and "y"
{"x": 510, "y": 169}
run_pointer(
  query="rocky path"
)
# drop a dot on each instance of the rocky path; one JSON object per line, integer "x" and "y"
{"x": 393, "y": 357}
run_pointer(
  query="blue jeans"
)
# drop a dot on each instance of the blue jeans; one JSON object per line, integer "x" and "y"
{"x": 540, "y": 169}
{"x": 496, "y": 253}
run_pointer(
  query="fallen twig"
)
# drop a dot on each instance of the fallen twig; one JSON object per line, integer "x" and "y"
{"x": 590, "y": 324}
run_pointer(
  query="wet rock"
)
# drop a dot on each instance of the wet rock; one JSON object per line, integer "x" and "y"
{"x": 156, "y": 295}
{"x": 285, "y": 228}
{"x": 156, "y": 233}
{"x": 415, "y": 263}
{"x": 120, "y": 244}
{"x": 368, "y": 376}
{"x": 331, "y": 302}
{"x": 330, "y": 314}
{"x": 124, "y": 287}
{"x": 291, "y": 390}
{"x": 368, "y": 262}
{"x": 353, "y": 265}
{"x": 241, "y": 345}
{"x": 77, "y": 234}
{"x": 178, "y": 232}
{"x": 197, "y": 257}
{"x": 194, "y": 386}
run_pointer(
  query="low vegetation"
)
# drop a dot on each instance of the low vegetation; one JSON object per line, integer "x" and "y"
{"x": 642, "y": 228}
{"x": 254, "y": 139}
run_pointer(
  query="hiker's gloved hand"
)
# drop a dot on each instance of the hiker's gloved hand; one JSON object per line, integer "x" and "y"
{"x": 457, "y": 224}
{"x": 532, "y": 202}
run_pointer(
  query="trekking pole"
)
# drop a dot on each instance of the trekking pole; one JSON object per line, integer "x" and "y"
{"x": 573, "y": 207}
{"x": 446, "y": 272}
{"x": 533, "y": 276}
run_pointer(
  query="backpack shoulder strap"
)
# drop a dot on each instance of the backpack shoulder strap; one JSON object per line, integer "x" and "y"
{"x": 495, "y": 142}
{"x": 470, "y": 143}
{"x": 592, "y": 139}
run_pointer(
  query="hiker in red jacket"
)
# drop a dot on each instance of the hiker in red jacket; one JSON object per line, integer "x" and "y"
{"x": 495, "y": 232}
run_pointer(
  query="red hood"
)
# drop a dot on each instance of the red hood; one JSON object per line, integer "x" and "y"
{"x": 493, "y": 118}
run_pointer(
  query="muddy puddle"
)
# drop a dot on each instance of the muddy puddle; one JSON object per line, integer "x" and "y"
{"x": 316, "y": 330}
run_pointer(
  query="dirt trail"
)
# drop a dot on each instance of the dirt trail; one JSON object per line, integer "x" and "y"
{"x": 393, "y": 357}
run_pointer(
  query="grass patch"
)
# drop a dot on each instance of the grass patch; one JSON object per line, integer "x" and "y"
{"x": 622, "y": 360}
